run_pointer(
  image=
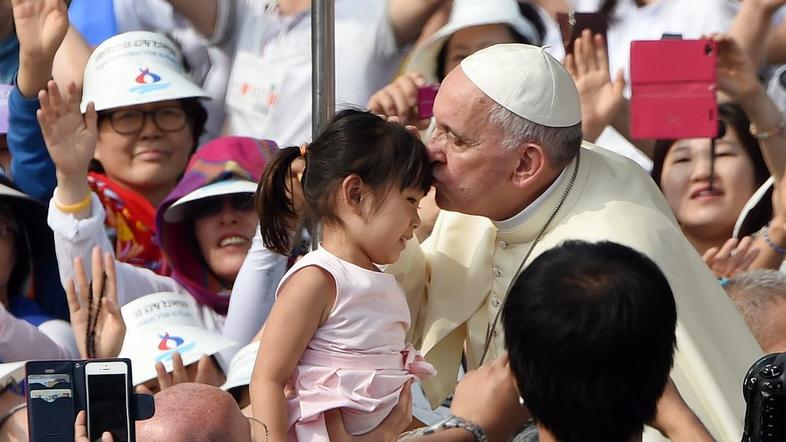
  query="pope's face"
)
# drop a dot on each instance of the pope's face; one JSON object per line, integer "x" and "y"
{"x": 471, "y": 169}
{"x": 685, "y": 181}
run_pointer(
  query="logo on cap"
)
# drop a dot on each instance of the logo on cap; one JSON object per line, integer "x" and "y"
{"x": 170, "y": 344}
{"x": 148, "y": 82}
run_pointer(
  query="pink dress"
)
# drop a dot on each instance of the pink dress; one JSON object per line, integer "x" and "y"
{"x": 357, "y": 360}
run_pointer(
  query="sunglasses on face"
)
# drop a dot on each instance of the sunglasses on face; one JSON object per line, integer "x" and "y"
{"x": 241, "y": 202}
{"x": 131, "y": 121}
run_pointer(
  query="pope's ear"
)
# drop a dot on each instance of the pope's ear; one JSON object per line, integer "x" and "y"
{"x": 532, "y": 159}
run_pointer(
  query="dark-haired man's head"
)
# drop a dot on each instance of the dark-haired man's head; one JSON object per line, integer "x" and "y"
{"x": 590, "y": 335}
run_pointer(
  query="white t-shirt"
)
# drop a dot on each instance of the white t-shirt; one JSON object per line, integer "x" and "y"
{"x": 269, "y": 92}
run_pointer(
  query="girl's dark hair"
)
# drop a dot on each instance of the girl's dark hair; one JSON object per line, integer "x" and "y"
{"x": 381, "y": 153}
{"x": 442, "y": 55}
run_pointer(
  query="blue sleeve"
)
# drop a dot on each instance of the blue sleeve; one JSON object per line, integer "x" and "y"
{"x": 31, "y": 167}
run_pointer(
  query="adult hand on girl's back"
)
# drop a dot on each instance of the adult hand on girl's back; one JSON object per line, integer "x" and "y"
{"x": 109, "y": 326}
{"x": 388, "y": 430}
{"x": 70, "y": 138}
{"x": 733, "y": 257}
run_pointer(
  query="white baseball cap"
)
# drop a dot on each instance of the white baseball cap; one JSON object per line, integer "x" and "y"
{"x": 527, "y": 81}
{"x": 466, "y": 14}
{"x": 136, "y": 68}
{"x": 242, "y": 367}
{"x": 161, "y": 324}
{"x": 178, "y": 210}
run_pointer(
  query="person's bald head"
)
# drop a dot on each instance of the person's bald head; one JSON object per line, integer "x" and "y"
{"x": 195, "y": 413}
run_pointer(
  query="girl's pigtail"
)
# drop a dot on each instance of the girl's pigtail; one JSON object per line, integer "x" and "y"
{"x": 273, "y": 202}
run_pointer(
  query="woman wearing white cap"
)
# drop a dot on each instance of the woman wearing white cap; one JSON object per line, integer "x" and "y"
{"x": 142, "y": 119}
{"x": 473, "y": 25}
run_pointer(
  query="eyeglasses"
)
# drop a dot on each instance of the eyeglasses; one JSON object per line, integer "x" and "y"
{"x": 242, "y": 202}
{"x": 131, "y": 121}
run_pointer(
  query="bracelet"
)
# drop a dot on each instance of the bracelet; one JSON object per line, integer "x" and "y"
{"x": 75, "y": 208}
{"x": 775, "y": 248}
{"x": 267, "y": 432}
{"x": 766, "y": 134}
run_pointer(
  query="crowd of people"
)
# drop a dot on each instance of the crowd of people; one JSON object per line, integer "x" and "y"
{"x": 511, "y": 264}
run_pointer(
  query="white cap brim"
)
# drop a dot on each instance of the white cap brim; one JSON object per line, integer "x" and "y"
{"x": 142, "y": 348}
{"x": 114, "y": 73}
{"x": 178, "y": 210}
{"x": 242, "y": 367}
{"x": 12, "y": 372}
{"x": 160, "y": 324}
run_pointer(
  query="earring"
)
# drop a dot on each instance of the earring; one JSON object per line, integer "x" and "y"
{"x": 521, "y": 401}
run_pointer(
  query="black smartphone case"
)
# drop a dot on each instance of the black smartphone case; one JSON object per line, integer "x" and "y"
{"x": 51, "y": 414}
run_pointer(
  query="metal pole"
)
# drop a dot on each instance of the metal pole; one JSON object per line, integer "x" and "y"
{"x": 323, "y": 74}
{"x": 323, "y": 71}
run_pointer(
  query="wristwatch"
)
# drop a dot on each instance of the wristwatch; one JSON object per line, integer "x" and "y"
{"x": 457, "y": 422}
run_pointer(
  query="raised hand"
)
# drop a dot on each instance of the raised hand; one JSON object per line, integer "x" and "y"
{"x": 601, "y": 98}
{"x": 109, "y": 326}
{"x": 203, "y": 372}
{"x": 737, "y": 76}
{"x": 70, "y": 138}
{"x": 399, "y": 99}
{"x": 40, "y": 26}
{"x": 733, "y": 257}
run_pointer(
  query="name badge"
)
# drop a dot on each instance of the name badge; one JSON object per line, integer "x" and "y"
{"x": 254, "y": 88}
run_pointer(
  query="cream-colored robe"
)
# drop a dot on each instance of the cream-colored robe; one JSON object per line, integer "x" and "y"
{"x": 456, "y": 281}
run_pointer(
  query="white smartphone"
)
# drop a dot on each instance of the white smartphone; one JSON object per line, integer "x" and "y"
{"x": 107, "y": 400}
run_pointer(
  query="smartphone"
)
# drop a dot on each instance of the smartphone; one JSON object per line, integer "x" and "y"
{"x": 673, "y": 85}
{"x": 426, "y": 96}
{"x": 107, "y": 389}
{"x": 573, "y": 23}
{"x": 50, "y": 400}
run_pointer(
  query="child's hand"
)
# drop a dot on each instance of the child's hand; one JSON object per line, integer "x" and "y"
{"x": 203, "y": 372}
{"x": 109, "y": 327}
{"x": 70, "y": 138}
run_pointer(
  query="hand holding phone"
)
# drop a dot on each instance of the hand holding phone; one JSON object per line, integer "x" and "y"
{"x": 572, "y": 24}
{"x": 426, "y": 96}
{"x": 108, "y": 390}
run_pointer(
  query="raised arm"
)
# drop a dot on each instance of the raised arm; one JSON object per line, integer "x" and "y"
{"x": 202, "y": 14}
{"x": 737, "y": 78}
{"x": 407, "y": 17}
{"x": 751, "y": 27}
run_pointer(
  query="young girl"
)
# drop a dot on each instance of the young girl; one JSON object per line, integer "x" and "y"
{"x": 337, "y": 329}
